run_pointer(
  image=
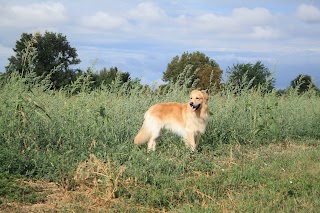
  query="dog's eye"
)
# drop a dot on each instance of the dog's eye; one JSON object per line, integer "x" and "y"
{"x": 197, "y": 98}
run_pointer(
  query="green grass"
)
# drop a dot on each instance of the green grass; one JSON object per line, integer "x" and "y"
{"x": 11, "y": 189}
{"x": 260, "y": 152}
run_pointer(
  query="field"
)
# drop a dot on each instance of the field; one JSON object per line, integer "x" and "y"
{"x": 75, "y": 153}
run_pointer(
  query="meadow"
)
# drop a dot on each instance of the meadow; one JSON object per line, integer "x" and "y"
{"x": 75, "y": 153}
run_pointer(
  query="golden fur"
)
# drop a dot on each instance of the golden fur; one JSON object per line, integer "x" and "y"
{"x": 188, "y": 120}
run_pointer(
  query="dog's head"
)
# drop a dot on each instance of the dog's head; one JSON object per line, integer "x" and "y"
{"x": 198, "y": 99}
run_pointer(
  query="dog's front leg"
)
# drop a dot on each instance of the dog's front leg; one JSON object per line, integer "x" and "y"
{"x": 197, "y": 138}
{"x": 191, "y": 142}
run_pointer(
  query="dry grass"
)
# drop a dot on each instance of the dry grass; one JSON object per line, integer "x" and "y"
{"x": 96, "y": 188}
{"x": 94, "y": 173}
{"x": 59, "y": 199}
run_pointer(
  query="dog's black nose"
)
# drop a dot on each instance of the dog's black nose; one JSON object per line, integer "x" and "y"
{"x": 191, "y": 104}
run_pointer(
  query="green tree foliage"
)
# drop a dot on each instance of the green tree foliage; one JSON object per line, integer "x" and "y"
{"x": 207, "y": 70}
{"x": 250, "y": 76}
{"x": 52, "y": 53}
{"x": 303, "y": 83}
{"x": 106, "y": 76}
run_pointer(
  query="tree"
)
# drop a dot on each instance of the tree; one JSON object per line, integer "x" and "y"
{"x": 106, "y": 76}
{"x": 208, "y": 71}
{"x": 303, "y": 83}
{"x": 44, "y": 54}
{"x": 250, "y": 76}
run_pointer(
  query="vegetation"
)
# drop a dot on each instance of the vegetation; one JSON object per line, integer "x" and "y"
{"x": 50, "y": 58}
{"x": 250, "y": 76}
{"x": 12, "y": 190}
{"x": 303, "y": 83}
{"x": 204, "y": 73}
{"x": 106, "y": 76}
{"x": 260, "y": 151}
{"x": 43, "y": 54}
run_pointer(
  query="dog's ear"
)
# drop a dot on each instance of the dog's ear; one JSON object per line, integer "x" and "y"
{"x": 205, "y": 95}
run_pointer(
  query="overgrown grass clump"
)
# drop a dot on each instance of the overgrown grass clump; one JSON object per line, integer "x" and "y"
{"x": 260, "y": 151}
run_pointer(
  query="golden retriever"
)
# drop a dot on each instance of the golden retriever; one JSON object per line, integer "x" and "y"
{"x": 188, "y": 120}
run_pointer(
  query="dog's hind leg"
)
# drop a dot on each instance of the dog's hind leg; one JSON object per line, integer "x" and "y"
{"x": 151, "y": 144}
{"x": 152, "y": 140}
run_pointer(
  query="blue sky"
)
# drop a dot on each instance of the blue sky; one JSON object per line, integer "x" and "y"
{"x": 142, "y": 37}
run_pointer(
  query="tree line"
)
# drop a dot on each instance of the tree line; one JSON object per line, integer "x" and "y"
{"x": 51, "y": 56}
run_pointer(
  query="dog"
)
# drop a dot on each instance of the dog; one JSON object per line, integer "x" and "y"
{"x": 188, "y": 120}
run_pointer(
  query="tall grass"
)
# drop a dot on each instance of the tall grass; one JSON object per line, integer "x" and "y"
{"x": 47, "y": 134}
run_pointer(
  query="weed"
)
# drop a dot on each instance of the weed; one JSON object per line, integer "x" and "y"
{"x": 260, "y": 151}
{"x": 13, "y": 189}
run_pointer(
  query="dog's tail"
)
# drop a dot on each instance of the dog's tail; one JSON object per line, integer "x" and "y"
{"x": 142, "y": 136}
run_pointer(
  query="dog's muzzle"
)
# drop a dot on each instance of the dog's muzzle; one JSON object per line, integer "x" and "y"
{"x": 194, "y": 107}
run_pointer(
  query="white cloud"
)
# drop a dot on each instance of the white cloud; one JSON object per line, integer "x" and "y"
{"x": 104, "y": 21}
{"x": 143, "y": 22}
{"x": 256, "y": 16}
{"x": 239, "y": 23}
{"x": 135, "y": 20}
{"x": 308, "y": 13}
{"x": 148, "y": 20}
{"x": 264, "y": 32}
{"x": 147, "y": 12}
{"x": 37, "y": 14}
